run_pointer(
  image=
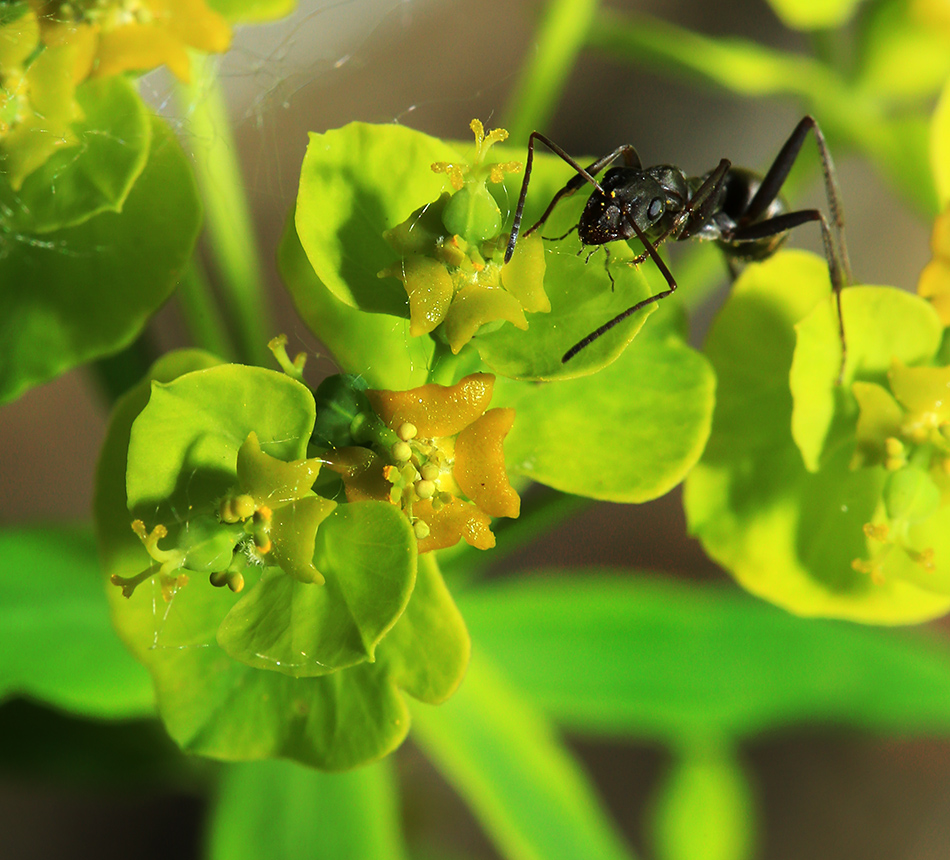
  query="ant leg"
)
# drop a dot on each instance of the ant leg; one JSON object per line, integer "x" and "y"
{"x": 613, "y": 285}
{"x": 649, "y": 300}
{"x": 697, "y": 212}
{"x": 775, "y": 178}
{"x": 629, "y": 155}
{"x": 788, "y": 221}
{"x": 558, "y": 238}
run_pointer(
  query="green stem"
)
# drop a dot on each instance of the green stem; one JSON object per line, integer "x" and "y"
{"x": 201, "y": 314}
{"x": 896, "y": 143}
{"x": 233, "y": 243}
{"x": 559, "y": 39}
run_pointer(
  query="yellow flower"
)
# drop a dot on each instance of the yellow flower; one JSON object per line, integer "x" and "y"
{"x": 446, "y": 469}
{"x": 450, "y": 255}
{"x": 37, "y": 95}
{"x": 138, "y": 35}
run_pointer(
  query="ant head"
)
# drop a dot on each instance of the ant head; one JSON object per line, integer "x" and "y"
{"x": 642, "y": 196}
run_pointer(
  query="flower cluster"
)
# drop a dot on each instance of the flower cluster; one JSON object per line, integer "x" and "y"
{"x": 270, "y": 517}
{"x": 441, "y": 461}
{"x": 450, "y": 255}
{"x": 48, "y": 49}
{"x": 907, "y": 431}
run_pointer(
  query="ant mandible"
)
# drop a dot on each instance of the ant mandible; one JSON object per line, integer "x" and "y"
{"x": 739, "y": 210}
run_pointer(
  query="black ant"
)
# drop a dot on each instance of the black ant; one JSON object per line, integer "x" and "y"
{"x": 738, "y": 209}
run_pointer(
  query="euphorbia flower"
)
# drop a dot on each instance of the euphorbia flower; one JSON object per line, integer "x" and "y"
{"x": 271, "y": 517}
{"x": 138, "y": 35}
{"x": 37, "y": 94}
{"x": 444, "y": 465}
{"x": 451, "y": 254}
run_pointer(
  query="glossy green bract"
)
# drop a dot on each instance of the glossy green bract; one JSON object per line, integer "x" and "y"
{"x": 286, "y": 667}
{"x": 785, "y": 533}
{"x": 93, "y": 175}
{"x": 881, "y": 324}
{"x": 629, "y": 433}
{"x": 77, "y": 293}
{"x": 376, "y": 346}
{"x": 361, "y": 180}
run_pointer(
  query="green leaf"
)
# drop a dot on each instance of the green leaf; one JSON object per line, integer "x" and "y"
{"x": 524, "y": 788}
{"x": 583, "y": 648}
{"x": 704, "y": 807}
{"x": 56, "y": 642}
{"x": 588, "y": 436}
{"x": 881, "y": 324}
{"x": 93, "y": 176}
{"x": 428, "y": 650}
{"x": 87, "y": 291}
{"x": 184, "y": 445}
{"x": 814, "y": 14}
{"x": 582, "y": 298}
{"x": 215, "y": 706}
{"x": 306, "y": 630}
{"x": 784, "y": 533}
{"x": 273, "y": 809}
{"x": 376, "y": 346}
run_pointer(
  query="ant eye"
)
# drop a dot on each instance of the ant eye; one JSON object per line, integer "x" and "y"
{"x": 655, "y": 209}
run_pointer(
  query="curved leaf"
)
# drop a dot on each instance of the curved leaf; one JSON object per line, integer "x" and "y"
{"x": 356, "y": 182}
{"x": 306, "y": 630}
{"x": 184, "y": 445}
{"x": 86, "y": 291}
{"x": 95, "y": 175}
{"x": 590, "y": 436}
{"x": 378, "y": 347}
{"x": 881, "y": 324}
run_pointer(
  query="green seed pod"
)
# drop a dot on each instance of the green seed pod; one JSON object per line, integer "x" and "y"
{"x": 473, "y": 214}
